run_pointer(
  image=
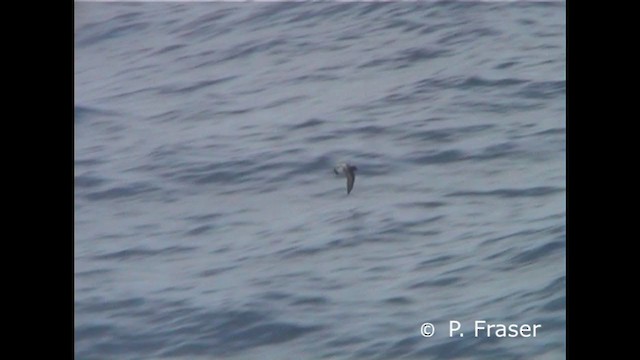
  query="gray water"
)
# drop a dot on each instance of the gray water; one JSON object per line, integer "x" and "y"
{"x": 209, "y": 223}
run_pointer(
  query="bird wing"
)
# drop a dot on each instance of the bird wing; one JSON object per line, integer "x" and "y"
{"x": 351, "y": 178}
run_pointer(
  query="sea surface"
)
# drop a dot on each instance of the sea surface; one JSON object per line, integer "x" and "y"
{"x": 209, "y": 223}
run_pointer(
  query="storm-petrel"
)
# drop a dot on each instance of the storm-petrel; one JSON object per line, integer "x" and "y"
{"x": 349, "y": 171}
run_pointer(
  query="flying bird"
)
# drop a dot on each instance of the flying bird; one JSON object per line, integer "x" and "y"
{"x": 349, "y": 171}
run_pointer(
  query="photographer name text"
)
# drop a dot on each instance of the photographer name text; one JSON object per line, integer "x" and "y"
{"x": 483, "y": 328}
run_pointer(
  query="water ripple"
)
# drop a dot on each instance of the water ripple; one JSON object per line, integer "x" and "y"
{"x": 510, "y": 193}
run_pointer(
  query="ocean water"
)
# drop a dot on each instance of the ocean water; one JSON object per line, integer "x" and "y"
{"x": 209, "y": 223}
